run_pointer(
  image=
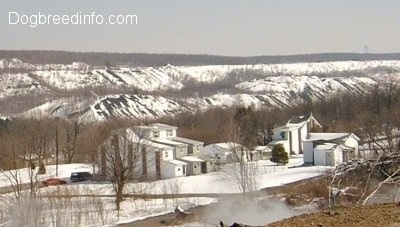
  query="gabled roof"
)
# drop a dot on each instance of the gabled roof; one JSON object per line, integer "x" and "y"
{"x": 331, "y": 146}
{"x": 288, "y": 127}
{"x": 330, "y": 136}
{"x": 176, "y": 162}
{"x": 221, "y": 149}
{"x": 168, "y": 142}
{"x": 298, "y": 122}
{"x": 185, "y": 140}
{"x": 227, "y": 145}
{"x": 325, "y": 146}
{"x": 157, "y": 145}
{"x": 192, "y": 159}
{"x": 163, "y": 126}
{"x": 301, "y": 120}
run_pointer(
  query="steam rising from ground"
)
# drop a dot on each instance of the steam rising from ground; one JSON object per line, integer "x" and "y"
{"x": 249, "y": 211}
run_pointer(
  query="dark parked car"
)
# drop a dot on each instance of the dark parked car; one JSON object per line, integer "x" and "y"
{"x": 80, "y": 176}
{"x": 53, "y": 181}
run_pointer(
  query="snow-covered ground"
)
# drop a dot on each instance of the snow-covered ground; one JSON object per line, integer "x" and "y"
{"x": 101, "y": 210}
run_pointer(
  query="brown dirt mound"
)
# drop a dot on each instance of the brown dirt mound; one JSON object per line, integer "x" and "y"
{"x": 374, "y": 215}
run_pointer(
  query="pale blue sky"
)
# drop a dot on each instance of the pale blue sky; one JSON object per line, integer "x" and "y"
{"x": 223, "y": 27}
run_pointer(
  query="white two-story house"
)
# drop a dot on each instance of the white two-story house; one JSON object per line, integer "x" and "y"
{"x": 294, "y": 132}
{"x": 162, "y": 154}
{"x": 150, "y": 160}
{"x": 297, "y": 137}
{"x": 185, "y": 150}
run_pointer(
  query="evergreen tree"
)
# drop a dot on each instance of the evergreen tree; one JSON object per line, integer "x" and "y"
{"x": 279, "y": 155}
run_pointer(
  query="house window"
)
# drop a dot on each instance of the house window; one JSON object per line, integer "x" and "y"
{"x": 169, "y": 133}
{"x": 179, "y": 169}
{"x": 282, "y": 134}
{"x": 156, "y": 134}
{"x": 166, "y": 154}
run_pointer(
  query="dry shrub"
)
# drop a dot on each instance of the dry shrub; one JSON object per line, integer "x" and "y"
{"x": 299, "y": 194}
{"x": 315, "y": 188}
{"x": 291, "y": 201}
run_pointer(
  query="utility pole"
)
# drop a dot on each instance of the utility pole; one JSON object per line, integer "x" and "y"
{"x": 57, "y": 148}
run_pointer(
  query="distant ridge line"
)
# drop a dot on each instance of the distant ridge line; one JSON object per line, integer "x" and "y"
{"x": 150, "y": 59}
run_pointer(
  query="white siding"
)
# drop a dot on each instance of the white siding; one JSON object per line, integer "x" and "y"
{"x": 151, "y": 163}
{"x": 308, "y": 152}
{"x": 321, "y": 155}
{"x": 338, "y": 156}
{"x": 352, "y": 142}
{"x": 320, "y": 158}
{"x": 304, "y": 132}
{"x": 295, "y": 141}
{"x": 167, "y": 155}
{"x": 197, "y": 148}
{"x": 286, "y": 146}
{"x": 179, "y": 171}
{"x": 167, "y": 170}
{"x": 166, "y": 133}
{"x": 180, "y": 151}
{"x": 163, "y": 133}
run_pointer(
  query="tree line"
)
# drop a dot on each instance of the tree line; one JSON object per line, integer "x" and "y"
{"x": 148, "y": 59}
{"x": 369, "y": 115}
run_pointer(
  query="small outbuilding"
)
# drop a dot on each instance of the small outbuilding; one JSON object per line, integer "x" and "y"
{"x": 174, "y": 168}
{"x": 330, "y": 149}
{"x": 194, "y": 165}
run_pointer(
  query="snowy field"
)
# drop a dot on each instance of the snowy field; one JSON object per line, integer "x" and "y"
{"x": 98, "y": 208}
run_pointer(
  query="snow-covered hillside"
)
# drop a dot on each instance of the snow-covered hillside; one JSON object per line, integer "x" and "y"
{"x": 14, "y": 63}
{"x": 122, "y": 106}
{"x": 133, "y": 106}
{"x": 149, "y": 78}
{"x": 313, "y": 86}
{"x": 64, "y": 107}
{"x": 19, "y": 84}
{"x": 79, "y": 74}
{"x": 262, "y": 85}
{"x": 215, "y": 72}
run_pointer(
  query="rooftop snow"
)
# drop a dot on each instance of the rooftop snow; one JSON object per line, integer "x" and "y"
{"x": 227, "y": 145}
{"x": 177, "y": 162}
{"x": 192, "y": 159}
{"x": 163, "y": 126}
{"x": 168, "y": 141}
{"x": 325, "y": 136}
{"x": 325, "y": 146}
{"x": 185, "y": 140}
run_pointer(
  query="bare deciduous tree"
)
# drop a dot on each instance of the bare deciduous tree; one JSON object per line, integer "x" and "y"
{"x": 72, "y": 129}
{"x": 122, "y": 154}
